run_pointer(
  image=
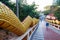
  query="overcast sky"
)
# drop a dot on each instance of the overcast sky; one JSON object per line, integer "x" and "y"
{"x": 41, "y": 3}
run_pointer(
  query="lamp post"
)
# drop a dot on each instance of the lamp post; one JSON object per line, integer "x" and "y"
{"x": 17, "y": 7}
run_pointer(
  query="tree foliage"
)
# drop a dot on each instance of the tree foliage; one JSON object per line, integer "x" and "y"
{"x": 57, "y": 12}
{"x": 46, "y": 12}
{"x": 24, "y": 9}
{"x": 58, "y": 2}
{"x": 10, "y": 5}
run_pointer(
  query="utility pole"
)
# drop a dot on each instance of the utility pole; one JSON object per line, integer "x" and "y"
{"x": 17, "y": 7}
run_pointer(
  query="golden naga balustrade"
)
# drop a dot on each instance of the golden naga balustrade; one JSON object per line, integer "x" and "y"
{"x": 10, "y": 22}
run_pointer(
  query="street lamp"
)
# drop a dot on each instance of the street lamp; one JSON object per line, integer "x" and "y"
{"x": 17, "y": 7}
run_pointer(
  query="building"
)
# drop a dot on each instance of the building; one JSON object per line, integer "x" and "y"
{"x": 51, "y": 16}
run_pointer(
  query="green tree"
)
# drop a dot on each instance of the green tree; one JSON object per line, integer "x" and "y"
{"x": 26, "y": 10}
{"x": 9, "y": 4}
{"x": 58, "y": 2}
{"x": 46, "y": 12}
{"x": 57, "y": 12}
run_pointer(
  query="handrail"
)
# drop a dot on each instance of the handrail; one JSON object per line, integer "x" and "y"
{"x": 33, "y": 32}
{"x": 26, "y": 33}
{"x": 56, "y": 26}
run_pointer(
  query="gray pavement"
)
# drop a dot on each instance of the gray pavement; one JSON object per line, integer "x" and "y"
{"x": 38, "y": 34}
{"x": 41, "y": 32}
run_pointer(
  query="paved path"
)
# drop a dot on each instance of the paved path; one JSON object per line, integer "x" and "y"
{"x": 38, "y": 34}
{"x": 51, "y": 33}
{"x": 43, "y": 33}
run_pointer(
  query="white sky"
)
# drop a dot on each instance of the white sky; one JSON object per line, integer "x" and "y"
{"x": 41, "y": 3}
{"x": 13, "y": 1}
